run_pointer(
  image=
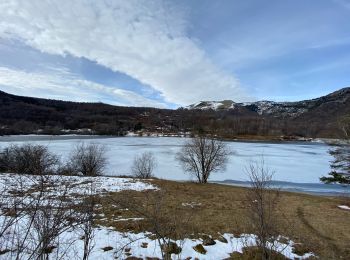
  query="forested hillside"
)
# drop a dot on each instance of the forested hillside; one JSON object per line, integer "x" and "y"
{"x": 316, "y": 118}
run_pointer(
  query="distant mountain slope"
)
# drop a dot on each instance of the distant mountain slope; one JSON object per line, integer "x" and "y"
{"x": 309, "y": 118}
{"x": 280, "y": 109}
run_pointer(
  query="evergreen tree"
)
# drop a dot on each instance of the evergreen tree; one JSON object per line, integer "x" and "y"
{"x": 341, "y": 164}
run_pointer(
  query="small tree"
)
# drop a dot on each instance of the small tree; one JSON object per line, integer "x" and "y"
{"x": 202, "y": 155}
{"x": 144, "y": 165}
{"x": 341, "y": 164}
{"x": 262, "y": 202}
{"x": 88, "y": 159}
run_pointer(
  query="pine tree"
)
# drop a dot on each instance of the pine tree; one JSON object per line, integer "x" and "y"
{"x": 341, "y": 164}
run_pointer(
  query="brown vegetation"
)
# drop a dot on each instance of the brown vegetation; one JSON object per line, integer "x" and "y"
{"x": 317, "y": 223}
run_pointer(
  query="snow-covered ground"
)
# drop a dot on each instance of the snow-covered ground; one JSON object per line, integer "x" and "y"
{"x": 220, "y": 250}
{"x": 292, "y": 162}
{"x": 108, "y": 243}
{"x": 78, "y": 185}
{"x": 140, "y": 245}
{"x": 26, "y": 188}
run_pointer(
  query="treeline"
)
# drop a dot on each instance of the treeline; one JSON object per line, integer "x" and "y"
{"x": 24, "y": 115}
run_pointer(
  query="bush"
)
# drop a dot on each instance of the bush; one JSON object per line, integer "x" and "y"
{"x": 28, "y": 159}
{"x": 144, "y": 165}
{"x": 88, "y": 160}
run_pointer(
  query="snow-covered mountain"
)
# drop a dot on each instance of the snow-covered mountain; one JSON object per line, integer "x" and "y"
{"x": 215, "y": 105}
{"x": 280, "y": 109}
{"x": 261, "y": 107}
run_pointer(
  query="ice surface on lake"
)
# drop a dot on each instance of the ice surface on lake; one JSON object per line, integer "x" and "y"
{"x": 292, "y": 162}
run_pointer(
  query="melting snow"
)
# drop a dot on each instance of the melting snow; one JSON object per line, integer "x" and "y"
{"x": 124, "y": 244}
{"x": 344, "y": 207}
{"x": 79, "y": 185}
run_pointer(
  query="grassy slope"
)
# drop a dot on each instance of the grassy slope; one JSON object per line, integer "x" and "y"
{"x": 314, "y": 221}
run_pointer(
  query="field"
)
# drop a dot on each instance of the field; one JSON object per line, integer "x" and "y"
{"x": 188, "y": 213}
{"x": 315, "y": 222}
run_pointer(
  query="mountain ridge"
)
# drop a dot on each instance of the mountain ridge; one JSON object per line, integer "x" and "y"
{"x": 309, "y": 118}
{"x": 274, "y": 108}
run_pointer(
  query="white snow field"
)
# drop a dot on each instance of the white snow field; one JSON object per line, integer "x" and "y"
{"x": 76, "y": 185}
{"x": 123, "y": 244}
{"x": 105, "y": 237}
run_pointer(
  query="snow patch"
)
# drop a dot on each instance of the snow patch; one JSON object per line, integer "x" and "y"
{"x": 78, "y": 185}
{"x": 344, "y": 207}
{"x": 124, "y": 244}
{"x": 191, "y": 204}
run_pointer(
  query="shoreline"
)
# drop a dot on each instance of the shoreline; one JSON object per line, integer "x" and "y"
{"x": 43, "y": 137}
{"x": 315, "y": 189}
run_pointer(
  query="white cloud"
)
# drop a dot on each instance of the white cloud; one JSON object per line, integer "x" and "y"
{"x": 145, "y": 39}
{"x": 61, "y": 84}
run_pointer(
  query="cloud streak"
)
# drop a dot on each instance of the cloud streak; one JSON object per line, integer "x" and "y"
{"x": 56, "y": 83}
{"x": 143, "y": 39}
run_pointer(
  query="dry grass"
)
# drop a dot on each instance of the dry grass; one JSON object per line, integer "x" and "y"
{"x": 313, "y": 221}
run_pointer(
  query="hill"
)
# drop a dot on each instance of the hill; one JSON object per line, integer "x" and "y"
{"x": 277, "y": 109}
{"x": 309, "y": 118}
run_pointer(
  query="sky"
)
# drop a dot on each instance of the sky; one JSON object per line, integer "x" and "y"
{"x": 171, "y": 53}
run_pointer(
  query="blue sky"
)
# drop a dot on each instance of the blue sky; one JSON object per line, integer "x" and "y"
{"x": 166, "y": 53}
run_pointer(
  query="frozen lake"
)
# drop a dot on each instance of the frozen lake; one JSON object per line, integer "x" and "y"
{"x": 296, "y": 165}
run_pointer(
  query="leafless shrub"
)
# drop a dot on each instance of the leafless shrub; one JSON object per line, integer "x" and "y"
{"x": 87, "y": 221}
{"x": 28, "y": 159}
{"x": 166, "y": 227}
{"x": 48, "y": 218}
{"x": 144, "y": 165}
{"x": 13, "y": 206}
{"x": 88, "y": 159}
{"x": 262, "y": 201}
{"x": 35, "y": 217}
{"x": 202, "y": 155}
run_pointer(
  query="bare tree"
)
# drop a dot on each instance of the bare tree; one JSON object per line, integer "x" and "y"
{"x": 88, "y": 159}
{"x": 144, "y": 165}
{"x": 202, "y": 155}
{"x": 28, "y": 159}
{"x": 262, "y": 201}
